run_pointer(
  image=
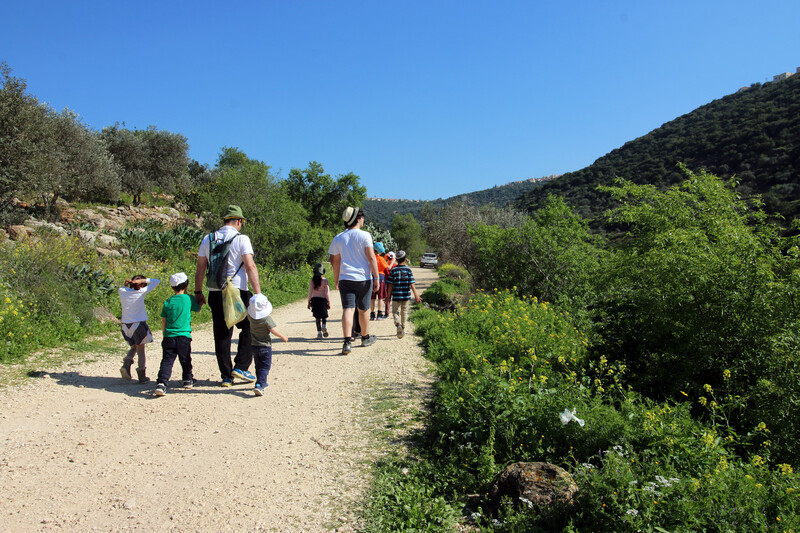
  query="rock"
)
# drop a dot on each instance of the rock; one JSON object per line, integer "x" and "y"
{"x": 532, "y": 485}
{"x": 105, "y": 252}
{"x": 103, "y": 315}
{"x": 85, "y": 235}
{"x": 18, "y": 232}
{"x": 35, "y": 224}
{"x": 129, "y": 504}
{"x": 107, "y": 240}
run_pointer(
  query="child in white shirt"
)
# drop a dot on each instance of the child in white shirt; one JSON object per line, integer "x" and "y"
{"x": 135, "y": 330}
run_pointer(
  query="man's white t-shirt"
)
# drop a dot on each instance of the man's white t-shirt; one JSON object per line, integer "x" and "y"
{"x": 241, "y": 246}
{"x": 350, "y": 245}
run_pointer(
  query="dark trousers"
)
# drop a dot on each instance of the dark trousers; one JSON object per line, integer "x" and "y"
{"x": 263, "y": 357}
{"x": 223, "y": 335}
{"x": 180, "y": 347}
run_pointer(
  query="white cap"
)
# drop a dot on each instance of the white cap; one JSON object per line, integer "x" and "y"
{"x": 177, "y": 279}
{"x": 259, "y": 306}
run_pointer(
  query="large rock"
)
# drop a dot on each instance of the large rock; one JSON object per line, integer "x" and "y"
{"x": 532, "y": 485}
{"x": 35, "y": 224}
{"x": 18, "y": 232}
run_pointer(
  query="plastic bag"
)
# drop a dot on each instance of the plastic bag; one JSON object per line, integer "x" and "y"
{"x": 232, "y": 305}
{"x": 568, "y": 416}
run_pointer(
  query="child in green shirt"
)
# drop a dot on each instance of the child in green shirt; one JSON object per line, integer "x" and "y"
{"x": 177, "y": 329}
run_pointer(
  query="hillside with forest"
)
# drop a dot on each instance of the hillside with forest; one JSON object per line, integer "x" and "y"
{"x": 752, "y": 135}
{"x": 382, "y": 210}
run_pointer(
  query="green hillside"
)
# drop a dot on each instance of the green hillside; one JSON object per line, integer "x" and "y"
{"x": 382, "y": 211}
{"x": 753, "y": 135}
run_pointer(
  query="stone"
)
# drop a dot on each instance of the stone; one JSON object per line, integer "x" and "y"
{"x": 105, "y": 252}
{"x": 103, "y": 315}
{"x": 107, "y": 240}
{"x": 534, "y": 484}
{"x": 85, "y": 235}
{"x": 18, "y": 232}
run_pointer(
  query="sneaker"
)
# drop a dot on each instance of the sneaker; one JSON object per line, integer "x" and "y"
{"x": 324, "y": 331}
{"x": 347, "y": 348}
{"x": 161, "y": 390}
{"x": 400, "y": 332}
{"x": 319, "y": 334}
{"x": 244, "y": 375}
{"x": 372, "y": 315}
{"x": 369, "y": 340}
{"x": 226, "y": 382}
{"x": 259, "y": 390}
{"x": 189, "y": 383}
{"x": 381, "y": 315}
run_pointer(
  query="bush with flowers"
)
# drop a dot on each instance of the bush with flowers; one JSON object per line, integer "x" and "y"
{"x": 517, "y": 383}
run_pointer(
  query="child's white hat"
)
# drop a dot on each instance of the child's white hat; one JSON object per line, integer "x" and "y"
{"x": 177, "y": 279}
{"x": 259, "y": 306}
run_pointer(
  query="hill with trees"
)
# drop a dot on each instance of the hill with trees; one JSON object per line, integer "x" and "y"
{"x": 752, "y": 135}
{"x": 382, "y": 211}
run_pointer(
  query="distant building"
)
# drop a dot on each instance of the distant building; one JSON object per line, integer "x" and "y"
{"x": 783, "y": 75}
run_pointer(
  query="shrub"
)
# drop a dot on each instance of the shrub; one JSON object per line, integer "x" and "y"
{"x": 453, "y": 272}
{"x": 445, "y": 293}
{"x": 509, "y": 366}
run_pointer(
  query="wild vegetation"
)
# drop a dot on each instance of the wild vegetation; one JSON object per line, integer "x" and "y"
{"x": 676, "y": 341}
{"x": 676, "y": 345}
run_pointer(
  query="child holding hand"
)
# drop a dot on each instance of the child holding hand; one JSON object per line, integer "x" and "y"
{"x": 261, "y": 325}
{"x": 177, "y": 329}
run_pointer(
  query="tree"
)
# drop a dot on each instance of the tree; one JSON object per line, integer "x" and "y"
{"x": 696, "y": 286}
{"x": 324, "y": 197}
{"x": 168, "y": 158}
{"x": 408, "y": 234}
{"x": 49, "y": 155}
{"x": 130, "y": 152}
{"x": 276, "y": 224}
{"x": 446, "y": 229}
{"x": 149, "y": 159}
{"x": 21, "y": 132}
{"x": 552, "y": 256}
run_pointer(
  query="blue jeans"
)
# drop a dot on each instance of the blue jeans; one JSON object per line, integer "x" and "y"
{"x": 180, "y": 347}
{"x": 263, "y": 359}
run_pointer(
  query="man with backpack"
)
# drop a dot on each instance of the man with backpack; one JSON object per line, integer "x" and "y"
{"x": 227, "y": 253}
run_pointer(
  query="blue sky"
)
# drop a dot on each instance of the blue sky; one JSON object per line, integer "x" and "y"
{"x": 421, "y": 99}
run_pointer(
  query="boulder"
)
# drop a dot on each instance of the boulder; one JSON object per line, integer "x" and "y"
{"x": 107, "y": 240}
{"x": 18, "y": 232}
{"x": 105, "y": 252}
{"x": 35, "y": 224}
{"x": 101, "y": 314}
{"x": 85, "y": 235}
{"x": 532, "y": 485}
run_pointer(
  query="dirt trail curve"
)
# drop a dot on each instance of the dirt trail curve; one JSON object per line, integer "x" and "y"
{"x": 82, "y": 450}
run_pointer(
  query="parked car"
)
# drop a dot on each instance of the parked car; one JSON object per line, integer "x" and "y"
{"x": 429, "y": 260}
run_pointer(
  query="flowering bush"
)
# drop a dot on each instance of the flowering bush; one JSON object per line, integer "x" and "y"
{"x": 514, "y": 370}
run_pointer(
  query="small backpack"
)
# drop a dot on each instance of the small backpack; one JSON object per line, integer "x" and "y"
{"x": 218, "y": 252}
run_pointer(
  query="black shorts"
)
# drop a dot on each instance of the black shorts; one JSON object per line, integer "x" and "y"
{"x": 355, "y": 294}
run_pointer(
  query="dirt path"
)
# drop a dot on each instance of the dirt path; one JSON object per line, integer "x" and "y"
{"x": 82, "y": 450}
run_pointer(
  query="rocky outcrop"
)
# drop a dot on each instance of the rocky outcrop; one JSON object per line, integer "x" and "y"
{"x": 94, "y": 225}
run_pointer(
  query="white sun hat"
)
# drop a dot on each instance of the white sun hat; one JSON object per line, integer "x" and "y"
{"x": 259, "y": 306}
{"x": 177, "y": 279}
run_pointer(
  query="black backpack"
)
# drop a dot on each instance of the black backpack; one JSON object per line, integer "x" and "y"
{"x": 218, "y": 252}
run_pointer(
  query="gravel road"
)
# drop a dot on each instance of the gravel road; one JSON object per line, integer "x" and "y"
{"x": 83, "y": 450}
